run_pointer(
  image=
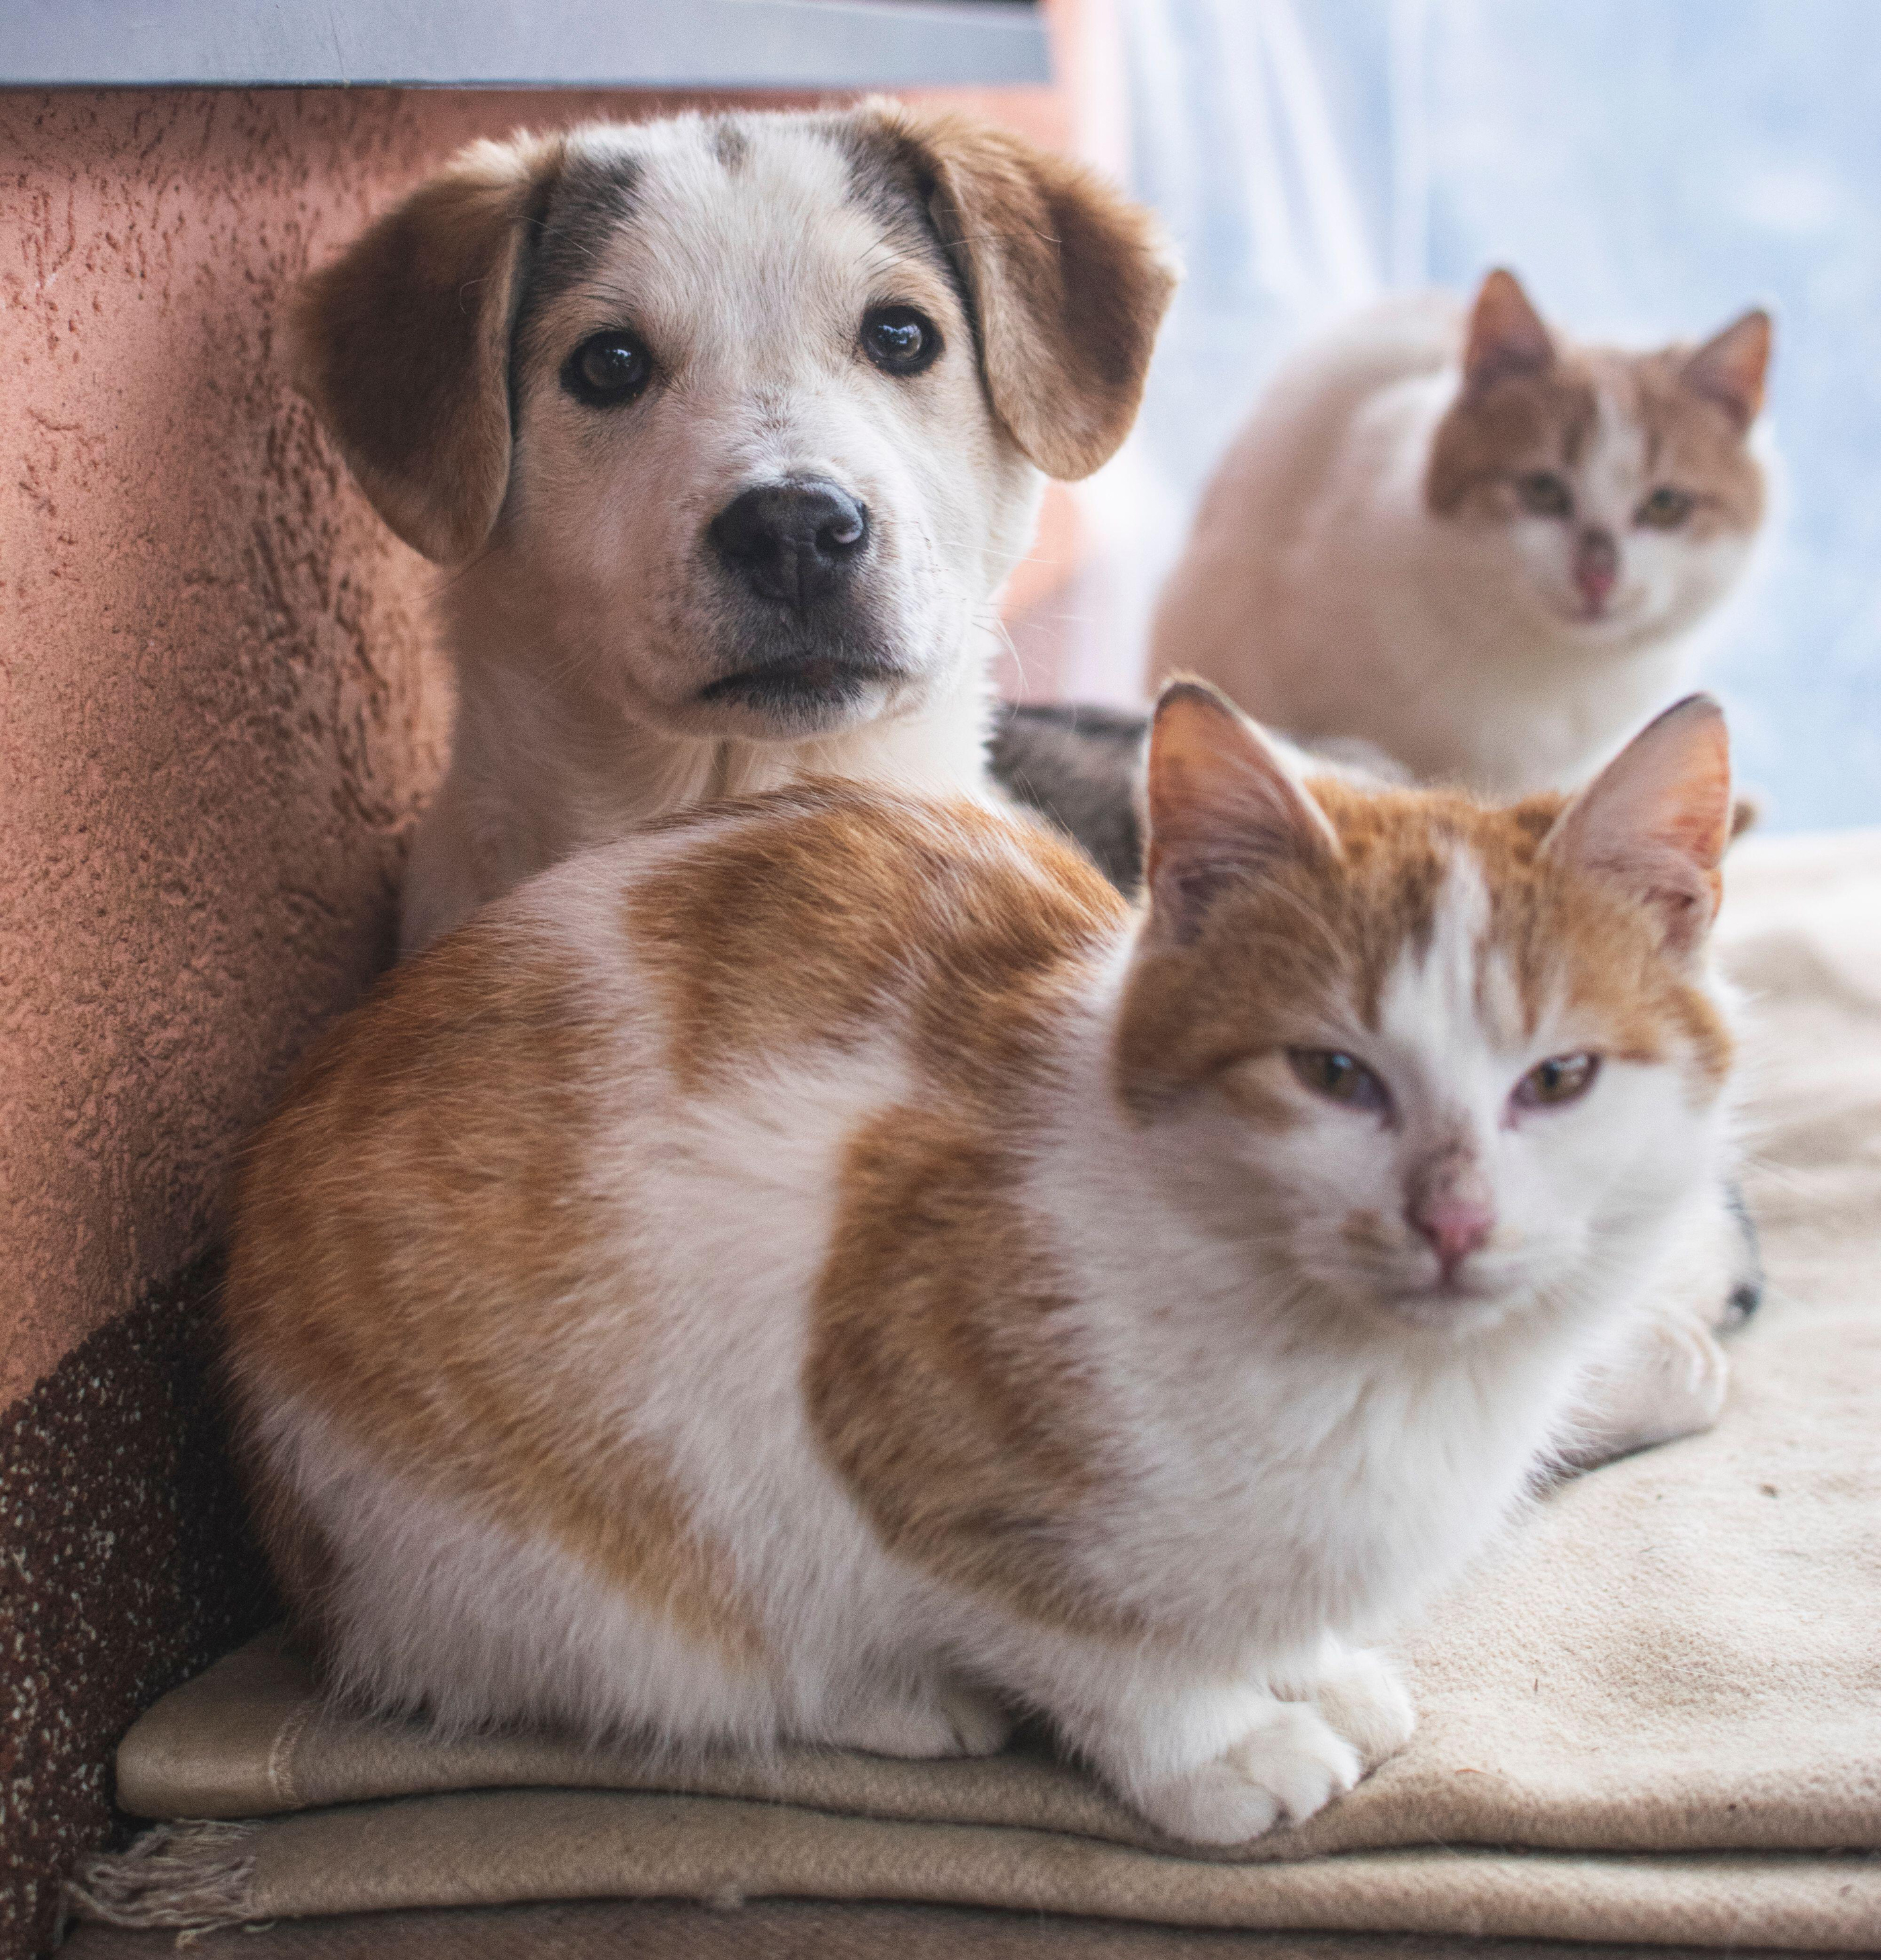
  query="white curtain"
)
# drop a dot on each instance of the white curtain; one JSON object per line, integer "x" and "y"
{"x": 1226, "y": 125}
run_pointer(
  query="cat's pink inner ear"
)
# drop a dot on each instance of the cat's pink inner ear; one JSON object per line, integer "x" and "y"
{"x": 1730, "y": 368}
{"x": 1656, "y": 820}
{"x": 1507, "y": 335}
{"x": 1223, "y": 806}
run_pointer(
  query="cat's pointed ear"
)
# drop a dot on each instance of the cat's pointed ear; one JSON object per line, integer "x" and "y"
{"x": 1730, "y": 368}
{"x": 1656, "y": 820}
{"x": 1223, "y": 807}
{"x": 1506, "y": 334}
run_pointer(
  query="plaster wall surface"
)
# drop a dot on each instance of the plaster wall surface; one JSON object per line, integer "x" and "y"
{"x": 220, "y": 711}
{"x": 217, "y": 713}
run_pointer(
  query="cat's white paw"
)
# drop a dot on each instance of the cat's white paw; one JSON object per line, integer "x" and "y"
{"x": 1291, "y": 1766}
{"x": 1670, "y": 1380}
{"x": 961, "y": 1721}
{"x": 1683, "y": 1377}
{"x": 1362, "y": 1699}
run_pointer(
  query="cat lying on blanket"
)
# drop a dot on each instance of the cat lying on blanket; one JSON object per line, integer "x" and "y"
{"x": 825, "y": 1268}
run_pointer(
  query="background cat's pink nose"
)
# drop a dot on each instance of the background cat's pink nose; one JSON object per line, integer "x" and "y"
{"x": 1456, "y": 1223}
{"x": 1596, "y": 567}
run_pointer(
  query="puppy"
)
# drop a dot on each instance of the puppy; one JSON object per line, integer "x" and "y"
{"x": 728, "y": 430}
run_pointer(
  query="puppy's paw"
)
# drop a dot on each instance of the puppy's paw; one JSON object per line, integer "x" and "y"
{"x": 1292, "y": 1765}
{"x": 1362, "y": 1699}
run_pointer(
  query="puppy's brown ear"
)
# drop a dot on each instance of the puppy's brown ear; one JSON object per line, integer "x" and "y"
{"x": 403, "y": 345}
{"x": 1068, "y": 280}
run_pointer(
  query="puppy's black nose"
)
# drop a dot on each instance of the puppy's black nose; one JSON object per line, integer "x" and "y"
{"x": 795, "y": 543}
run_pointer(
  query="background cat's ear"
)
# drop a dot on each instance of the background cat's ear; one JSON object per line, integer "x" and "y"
{"x": 1730, "y": 368}
{"x": 1224, "y": 806}
{"x": 1656, "y": 820}
{"x": 1507, "y": 335}
{"x": 403, "y": 345}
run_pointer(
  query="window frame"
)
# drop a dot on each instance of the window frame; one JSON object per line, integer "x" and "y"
{"x": 719, "y": 44}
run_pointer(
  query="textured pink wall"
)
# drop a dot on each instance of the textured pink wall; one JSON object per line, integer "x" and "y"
{"x": 219, "y": 711}
{"x": 217, "y": 715}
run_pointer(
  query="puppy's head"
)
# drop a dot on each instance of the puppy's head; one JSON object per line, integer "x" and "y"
{"x": 745, "y": 415}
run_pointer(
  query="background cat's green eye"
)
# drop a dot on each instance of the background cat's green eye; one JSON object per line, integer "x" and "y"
{"x": 1338, "y": 1076}
{"x": 1544, "y": 494}
{"x": 1665, "y": 508}
{"x": 1562, "y": 1078}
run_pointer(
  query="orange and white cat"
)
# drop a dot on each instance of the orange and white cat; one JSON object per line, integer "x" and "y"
{"x": 1470, "y": 544}
{"x": 827, "y": 1269}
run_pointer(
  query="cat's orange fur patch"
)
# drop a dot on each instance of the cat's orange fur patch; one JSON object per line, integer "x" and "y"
{"x": 931, "y": 1378}
{"x": 1545, "y": 420}
{"x": 458, "y": 1087}
{"x": 839, "y": 908}
{"x": 937, "y": 1378}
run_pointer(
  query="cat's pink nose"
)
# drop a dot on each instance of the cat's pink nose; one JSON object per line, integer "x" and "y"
{"x": 1596, "y": 567}
{"x": 1457, "y": 1222}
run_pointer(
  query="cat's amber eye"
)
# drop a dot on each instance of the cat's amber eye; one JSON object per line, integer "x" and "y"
{"x": 1562, "y": 1078}
{"x": 1544, "y": 494}
{"x": 1339, "y": 1077}
{"x": 1665, "y": 509}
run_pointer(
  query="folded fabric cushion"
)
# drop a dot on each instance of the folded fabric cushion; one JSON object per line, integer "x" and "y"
{"x": 1653, "y": 1715}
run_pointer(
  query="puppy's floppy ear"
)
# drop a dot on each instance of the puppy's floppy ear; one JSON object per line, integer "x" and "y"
{"x": 403, "y": 345}
{"x": 1068, "y": 281}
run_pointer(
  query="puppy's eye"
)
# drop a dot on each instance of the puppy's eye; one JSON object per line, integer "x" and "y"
{"x": 1544, "y": 494}
{"x": 900, "y": 340}
{"x": 1339, "y": 1077}
{"x": 1665, "y": 509}
{"x": 607, "y": 369}
{"x": 1562, "y": 1078}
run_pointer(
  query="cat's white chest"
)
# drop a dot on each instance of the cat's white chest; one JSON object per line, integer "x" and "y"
{"x": 1289, "y": 1501}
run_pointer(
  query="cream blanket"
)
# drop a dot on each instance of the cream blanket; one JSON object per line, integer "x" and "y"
{"x": 1653, "y": 1715}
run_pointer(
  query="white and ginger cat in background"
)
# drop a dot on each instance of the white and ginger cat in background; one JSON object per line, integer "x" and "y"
{"x": 1471, "y": 545}
{"x": 828, "y": 1270}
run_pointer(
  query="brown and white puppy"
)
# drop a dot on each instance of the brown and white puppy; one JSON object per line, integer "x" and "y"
{"x": 729, "y": 429}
